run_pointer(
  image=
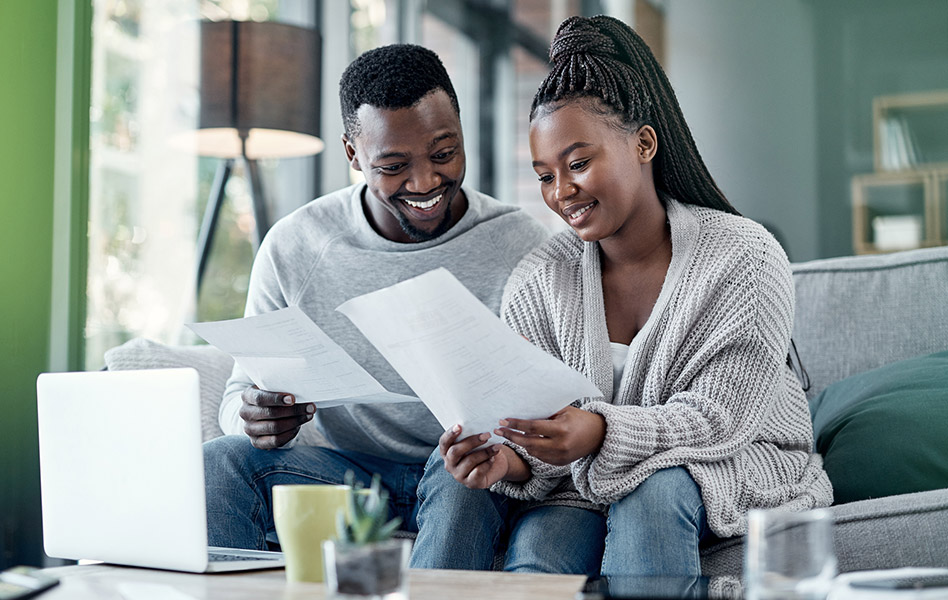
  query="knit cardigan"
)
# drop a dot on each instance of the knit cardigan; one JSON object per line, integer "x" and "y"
{"x": 705, "y": 385}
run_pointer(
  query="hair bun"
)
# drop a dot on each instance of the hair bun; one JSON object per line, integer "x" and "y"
{"x": 579, "y": 35}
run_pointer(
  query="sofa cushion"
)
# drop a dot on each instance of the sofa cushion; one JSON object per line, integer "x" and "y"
{"x": 862, "y": 312}
{"x": 885, "y": 432}
{"x": 213, "y": 367}
{"x": 884, "y": 533}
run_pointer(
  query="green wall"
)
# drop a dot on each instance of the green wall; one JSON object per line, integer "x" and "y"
{"x": 27, "y": 120}
{"x": 864, "y": 49}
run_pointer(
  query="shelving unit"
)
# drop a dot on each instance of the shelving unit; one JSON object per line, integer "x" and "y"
{"x": 902, "y": 205}
{"x": 899, "y": 211}
{"x": 910, "y": 131}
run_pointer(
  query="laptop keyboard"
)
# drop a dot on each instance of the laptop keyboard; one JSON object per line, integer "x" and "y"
{"x": 219, "y": 557}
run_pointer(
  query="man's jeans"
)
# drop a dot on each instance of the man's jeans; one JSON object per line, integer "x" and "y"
{"x": 239, "y": 480}
{"x": 655, "y": 530}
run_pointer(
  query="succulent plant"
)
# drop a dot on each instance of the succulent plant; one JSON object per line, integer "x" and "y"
{"x": 365, "y": 522}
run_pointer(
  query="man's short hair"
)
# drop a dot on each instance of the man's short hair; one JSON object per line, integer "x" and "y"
{"x": 391, "y": 77}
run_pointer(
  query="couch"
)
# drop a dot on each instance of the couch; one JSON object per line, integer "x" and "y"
{"x": 853, "y": 315}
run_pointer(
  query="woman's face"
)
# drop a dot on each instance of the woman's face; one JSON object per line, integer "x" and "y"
{"x": 596, "y": 177}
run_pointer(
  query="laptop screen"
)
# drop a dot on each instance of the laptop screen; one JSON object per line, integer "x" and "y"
{"x": 122, "y": 467}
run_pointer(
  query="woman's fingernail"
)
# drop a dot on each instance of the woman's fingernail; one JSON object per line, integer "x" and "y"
{"x": 287, "y": 399}
{"x": 456, "y": 429}
{"x": 484, "y": 437}
{"x": 503, "y": 422}
{"x": 310, "y": 408}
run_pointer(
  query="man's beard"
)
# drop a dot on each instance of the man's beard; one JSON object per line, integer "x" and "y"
{"x": 419, "y": 235}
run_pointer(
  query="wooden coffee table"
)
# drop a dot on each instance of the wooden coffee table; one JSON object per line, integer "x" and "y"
{"x": 106, "y": 582}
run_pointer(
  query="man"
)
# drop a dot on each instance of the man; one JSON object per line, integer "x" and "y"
{"x": 403, "y": 132}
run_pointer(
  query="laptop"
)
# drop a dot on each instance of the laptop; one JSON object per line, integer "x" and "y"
{"x": 122, "y": 472}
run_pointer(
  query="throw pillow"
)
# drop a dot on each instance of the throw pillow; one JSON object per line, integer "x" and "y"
{"x": 213, "y": 367}
{"x": 885, "y": 431}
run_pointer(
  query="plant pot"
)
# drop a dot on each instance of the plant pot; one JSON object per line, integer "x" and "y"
{"x": 373, "y": 571}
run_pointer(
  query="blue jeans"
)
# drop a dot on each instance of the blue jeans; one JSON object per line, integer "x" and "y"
{"x": 657, "y": 528}
{"x": 461, "y": 528}
{"x": 239, "y": 479}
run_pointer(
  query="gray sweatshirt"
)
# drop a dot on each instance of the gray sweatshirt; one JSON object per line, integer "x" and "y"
{"x": 325, "y": 253}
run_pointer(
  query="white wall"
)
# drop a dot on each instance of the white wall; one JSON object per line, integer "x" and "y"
{"x": 744, "y": 73}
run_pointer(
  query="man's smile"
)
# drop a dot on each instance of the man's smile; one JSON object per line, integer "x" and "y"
{"x": 424, "y": 204}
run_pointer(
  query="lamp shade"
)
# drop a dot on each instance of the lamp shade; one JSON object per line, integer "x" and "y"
{"x": 259, "y": 90}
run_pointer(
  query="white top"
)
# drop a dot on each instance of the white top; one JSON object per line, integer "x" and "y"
{"x": 619, "y": 353}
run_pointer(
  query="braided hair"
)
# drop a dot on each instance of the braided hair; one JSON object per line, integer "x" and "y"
{"x": 391, "y": 77}
{"x": 602, "y": 58}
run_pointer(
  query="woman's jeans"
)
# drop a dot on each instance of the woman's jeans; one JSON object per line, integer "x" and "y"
{"x": 655, "y": 530}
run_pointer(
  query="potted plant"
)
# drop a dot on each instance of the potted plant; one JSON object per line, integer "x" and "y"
{"x": 364, "y": 561}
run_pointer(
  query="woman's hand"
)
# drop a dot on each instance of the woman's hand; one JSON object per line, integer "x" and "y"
{"x": 482, "y": 468}
{"x": 570, "y": 434}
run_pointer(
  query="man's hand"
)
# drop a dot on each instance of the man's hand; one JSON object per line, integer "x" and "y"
{"x": 272, "y": 419}
{"x": 570, "y": 434}
{"x": 482, "y": 468}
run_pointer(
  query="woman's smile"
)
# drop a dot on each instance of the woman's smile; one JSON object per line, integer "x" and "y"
{"x": 578, "y": 212}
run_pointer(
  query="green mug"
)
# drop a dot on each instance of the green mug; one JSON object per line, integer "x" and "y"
{"x": 305, "y": 516}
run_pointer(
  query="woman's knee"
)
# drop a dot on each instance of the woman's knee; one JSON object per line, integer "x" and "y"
{"x": 438, "y": 487}
{"x": 667, "y": 493}
{"x": 656, "y": 529}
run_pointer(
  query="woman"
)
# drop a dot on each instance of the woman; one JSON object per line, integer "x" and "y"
{"x": 675, "y": 306}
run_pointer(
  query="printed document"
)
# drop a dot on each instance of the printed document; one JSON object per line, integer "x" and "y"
{"x": 284, "y": 351}
{"x": 459, "y": 358}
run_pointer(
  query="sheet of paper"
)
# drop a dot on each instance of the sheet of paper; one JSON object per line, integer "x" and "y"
{"x": 284, "y": 351}
{"x": 462, "y": 361}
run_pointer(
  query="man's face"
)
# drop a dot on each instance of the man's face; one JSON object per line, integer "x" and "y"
{"x": 413, "y": 163}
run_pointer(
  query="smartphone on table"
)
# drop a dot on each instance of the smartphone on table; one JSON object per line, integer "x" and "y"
{"x": 24, "y": 582}
{"x": 922, "y": 581}
{"x": 602, "y": 587}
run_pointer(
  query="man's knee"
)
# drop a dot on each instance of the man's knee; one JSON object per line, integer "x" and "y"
{"x": 225, "y": 454}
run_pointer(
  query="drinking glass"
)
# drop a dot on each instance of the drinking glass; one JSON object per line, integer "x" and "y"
{"x": 789, "y": 555}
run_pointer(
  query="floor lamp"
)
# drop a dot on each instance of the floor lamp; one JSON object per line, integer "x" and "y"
{"x": 259, "y": 99}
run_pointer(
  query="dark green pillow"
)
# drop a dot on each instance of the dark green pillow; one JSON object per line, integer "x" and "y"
{"x": 885, "y": 431}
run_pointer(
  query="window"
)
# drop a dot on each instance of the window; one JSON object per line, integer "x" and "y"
{"x": 147, "y": 194}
